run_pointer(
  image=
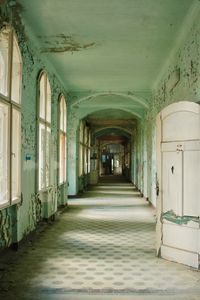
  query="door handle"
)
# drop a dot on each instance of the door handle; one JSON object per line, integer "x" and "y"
{"x": 157, "y": 188}
{"x": 172, "y": 169}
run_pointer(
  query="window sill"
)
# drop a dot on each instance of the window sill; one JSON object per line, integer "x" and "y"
{"x": 8, "y": 204}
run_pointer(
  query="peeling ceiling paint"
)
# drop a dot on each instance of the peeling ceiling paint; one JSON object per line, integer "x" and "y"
{"x": 61, "y": 43}
{"x": 127, "y": 42}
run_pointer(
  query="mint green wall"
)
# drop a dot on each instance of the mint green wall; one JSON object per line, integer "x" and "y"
{"x": 186, "y": 57}
{"x": 18, "y": 220}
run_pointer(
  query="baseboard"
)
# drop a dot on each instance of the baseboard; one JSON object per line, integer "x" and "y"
{"x": 41, "y": 226}
{"x": 180, "y": 256}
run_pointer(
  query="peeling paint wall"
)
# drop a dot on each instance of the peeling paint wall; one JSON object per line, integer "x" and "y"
{"x": 180, "y": 81}
{"x": 19, "y": 220}
{"x": 181, "y": 220}
{"x": 5, "y": 228}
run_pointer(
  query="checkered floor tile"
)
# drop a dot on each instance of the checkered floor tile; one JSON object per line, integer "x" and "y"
{"x": 103, "y": 243}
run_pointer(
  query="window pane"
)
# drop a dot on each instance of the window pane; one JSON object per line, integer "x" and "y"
{"x": 85, "y": 135}
{"x": 16, "y": 154}
{"x": 85, "y": 159}
{"x": 16, "y": 73}
{"x": 89, "y": 151}
{"x": 62, "y": 162}
{"x": 42, "y": 145}
{"x": 42, "y": 96}
{"x": 4, "y": 153}
{"x": 61, "y": 114}
{"x": 48, "y": 103}
{"x": 65, "y": 116}
{"x": 48, "y": 149}
{"x": 80, "y": 159}
{"x": 4, "y": 42}
{"x": 81, "y": 132}
{"x": 88, "y": 160}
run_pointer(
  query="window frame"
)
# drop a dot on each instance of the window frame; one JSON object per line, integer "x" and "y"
{"x": 62, "y": 131}
{"x": 12, "y": 105}
{"x": 48, "y": 126}
{"x": 81, "y": 149}
{"x": 84, "y": 149}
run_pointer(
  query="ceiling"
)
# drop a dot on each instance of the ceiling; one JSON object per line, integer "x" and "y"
{"x": 111, "y": 117}
{"x": 106, "y": 45}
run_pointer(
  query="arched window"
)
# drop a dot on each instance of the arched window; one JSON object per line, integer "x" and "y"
{"x": 81, "y": 148}
{"x": 62, "y": 139}
{"x": 44, "y": 129}
{"x": 10, "y": 118}
{"x": 84, "y": 149}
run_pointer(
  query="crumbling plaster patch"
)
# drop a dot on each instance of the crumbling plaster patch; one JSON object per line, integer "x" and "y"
{"x": 5, "y": 228}
{"x": 181, "y": 220}
{"x": 187, "y": 60}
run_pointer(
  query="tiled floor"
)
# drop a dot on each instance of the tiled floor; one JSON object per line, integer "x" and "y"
{"x": 101, "y": 247}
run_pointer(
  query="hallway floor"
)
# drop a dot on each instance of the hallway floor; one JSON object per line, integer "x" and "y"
{"x": 101, "y": 247}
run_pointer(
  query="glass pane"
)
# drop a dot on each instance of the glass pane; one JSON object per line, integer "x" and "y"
{"x": 4, "y": 42}
{"x": 85, "y": 159}
{"x": 42, "y": 96}
{"x": 16, "y": 154}
{"x": 61, "y": 114}
{"x": 80, "y": 159}
{"x": 62, "y": 162}
{"x": 89, "y": 138}
{"x": 4, "y": 167}
{"x": 48, "y": 103}
{"x": 81, "y": 132}
{"x": 85, "y": 135}
{"x": 88, "y": 160}
{"x": 41, "y": 167}
{"x": 64, "y": 116}
{"x": 48, "y": 156}
{"x": 16, "y": 73}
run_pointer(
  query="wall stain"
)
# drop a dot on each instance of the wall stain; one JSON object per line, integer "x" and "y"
{"x": 180, "y": 220}
{"x": 5, "y": 228}
{"x": 63, "y": 43}
{"x": 35, "y": 213}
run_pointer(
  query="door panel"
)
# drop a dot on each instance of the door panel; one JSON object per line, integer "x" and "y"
{"x": 180, "y": 256}
{"x": 172, "y": 182}
{"x": 191, "y": 183}
{"x": 187, "y": 237}
{"x": 179, "y": 179}
{"x": 180, "y": 121}
{"x": 173, "y": 122}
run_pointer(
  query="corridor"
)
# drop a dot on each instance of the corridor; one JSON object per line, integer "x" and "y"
{"x": 101, "y": 247}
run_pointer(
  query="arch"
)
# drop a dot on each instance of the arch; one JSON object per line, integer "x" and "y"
{"x": 125, "y": 132}
{"x": 130, "y": 96}
{"x": 93, "y": 110}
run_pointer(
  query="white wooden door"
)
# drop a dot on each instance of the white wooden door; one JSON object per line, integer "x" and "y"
{"x": 179, "y": 183}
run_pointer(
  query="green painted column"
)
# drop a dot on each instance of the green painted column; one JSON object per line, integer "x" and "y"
{"x": 72, "y": 155}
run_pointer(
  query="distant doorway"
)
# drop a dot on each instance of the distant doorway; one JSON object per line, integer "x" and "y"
{"x": 112, "y": 159}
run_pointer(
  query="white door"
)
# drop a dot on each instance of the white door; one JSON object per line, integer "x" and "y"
{"x": 178, "y": 171}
